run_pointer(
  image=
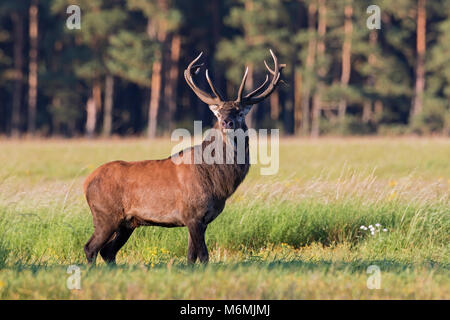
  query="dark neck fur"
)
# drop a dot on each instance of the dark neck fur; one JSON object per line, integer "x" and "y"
{"x": 223, "y": 179}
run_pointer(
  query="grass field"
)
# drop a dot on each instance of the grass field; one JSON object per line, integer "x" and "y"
{"x": 294, "y": 235}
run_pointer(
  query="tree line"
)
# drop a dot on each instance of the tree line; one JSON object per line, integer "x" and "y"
{"x": 121, "y": 73}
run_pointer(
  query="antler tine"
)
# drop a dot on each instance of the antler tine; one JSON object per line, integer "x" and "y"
{"x": 254, "y": 92}
{"x": 202, "y": 95}
{"x": 272, "y": 71}
{"x": 194, "y": 61}
{"x": 241, "y": 88}
{"x": 276, "y": 73}
{"x": 268, "y": 68}
{"x": 282, "y": 65}
{"x": 213, "y": 88}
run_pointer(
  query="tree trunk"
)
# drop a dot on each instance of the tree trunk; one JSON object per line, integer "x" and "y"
{"x": 312, "y": 11}
{"x": 367, "y": 105}
{"x": 346, "y": 59}
{"x": 417, "y": 103}
{"x": 170, "y": 89}
{"x": 92, "y": 105}
{"x": 154, "y": 98}
{"x": 274, "y": 105}
{"x": 91, "y": 116}
{"x": 367, "y": 111}
{"x": 158, "y": 27}
{"x": 97, "y": 94}
{"x": 216, "y": 20}
{"x": 297, "y": 101}
{"x": 17, "y": 20}
{"x": 305, "y": 111}
{"x": 251, "y": 117}
{"x": 316, "y": 110}
{"x": 317, "y": 99}
{"x": 378, "y": 109}
{"x": 33, "y": 67}
{"x": 108, "y": 111}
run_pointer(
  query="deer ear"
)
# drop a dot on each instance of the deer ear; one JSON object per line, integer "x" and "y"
{"x": 215, "y": 109}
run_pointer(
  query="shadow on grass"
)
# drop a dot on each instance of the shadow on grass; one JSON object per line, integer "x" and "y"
{"x": 355, "y": 266}
{"x": 323, "y": 266}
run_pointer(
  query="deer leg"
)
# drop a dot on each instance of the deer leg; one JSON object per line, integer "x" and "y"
{"x": 110, "y": 249}
{"x": 203, "y": 254}
{"x": 97, "y": 240}
{"x": 192, "y": 252}
{"x": 104, "y": 228}
{"x": 197, "y": 246}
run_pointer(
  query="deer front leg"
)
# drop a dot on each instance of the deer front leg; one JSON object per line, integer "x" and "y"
{"x": 192, "y": 252}
{"x": 196, "y": 243}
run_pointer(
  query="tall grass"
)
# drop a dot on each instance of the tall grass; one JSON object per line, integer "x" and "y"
{"x": 277, "y": 236}
{"x": 37, "y": 237}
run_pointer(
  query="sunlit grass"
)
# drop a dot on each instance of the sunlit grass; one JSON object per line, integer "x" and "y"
{"x": 293, "y": 235}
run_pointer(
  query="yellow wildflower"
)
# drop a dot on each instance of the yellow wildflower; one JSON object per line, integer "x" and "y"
{"x": 393, "y": 195}
{"x": 392, "y": 183}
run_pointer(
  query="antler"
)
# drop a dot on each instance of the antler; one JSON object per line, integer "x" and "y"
{"x": 204, "y": 96}
{"x": 255, "y": 96}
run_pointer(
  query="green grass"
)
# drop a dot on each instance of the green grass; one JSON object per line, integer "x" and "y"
{"x": 294, "y": 235}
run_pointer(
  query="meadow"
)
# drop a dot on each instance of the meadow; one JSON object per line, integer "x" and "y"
{"x": 294, "y": 235}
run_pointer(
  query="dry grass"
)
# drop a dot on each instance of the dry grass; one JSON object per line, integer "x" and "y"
{"x": 293, "y": 235}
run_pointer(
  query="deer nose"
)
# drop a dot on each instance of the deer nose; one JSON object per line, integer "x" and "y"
{"x": 228, "y": 124}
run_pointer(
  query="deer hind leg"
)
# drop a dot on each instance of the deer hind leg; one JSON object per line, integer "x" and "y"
{"x": 120, "y": 237}
{"x": 97, "y": 240}
{"x": 196, "y": 244}
{"x": 104, "y": 229}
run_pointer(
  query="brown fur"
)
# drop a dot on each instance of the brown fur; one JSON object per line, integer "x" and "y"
{"x": 124, "y": 195}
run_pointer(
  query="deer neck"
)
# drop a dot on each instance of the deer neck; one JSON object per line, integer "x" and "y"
{"x": 222, "y": 179}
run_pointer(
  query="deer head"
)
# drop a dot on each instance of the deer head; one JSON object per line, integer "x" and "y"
{"x": 231, "y": 114}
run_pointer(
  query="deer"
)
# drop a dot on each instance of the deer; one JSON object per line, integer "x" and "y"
{"x": 125, "y": 195}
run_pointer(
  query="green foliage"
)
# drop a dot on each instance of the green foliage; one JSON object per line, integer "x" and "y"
{"x": 393, "y": 130}
{"x": 439, "y": 65}
{"x": 263, "y": 28}
{"x": 124, "y": 38}
{"x": 350, "y": 126}
{"x": 161, "y": 13}
{"x": 131, "y": 56}
{"x": 435, "y": 119}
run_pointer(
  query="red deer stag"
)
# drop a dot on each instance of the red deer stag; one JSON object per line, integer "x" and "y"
{"x": 124, "y": 195}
